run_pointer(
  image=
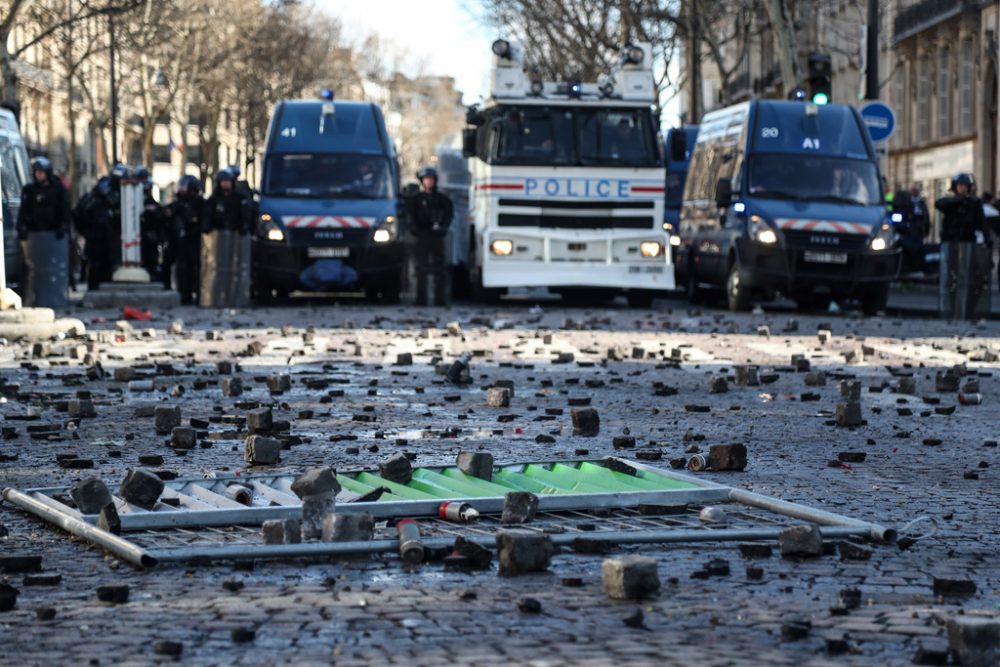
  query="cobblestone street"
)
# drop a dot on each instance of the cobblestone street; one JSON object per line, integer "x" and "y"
{"x": 921, "y": 463}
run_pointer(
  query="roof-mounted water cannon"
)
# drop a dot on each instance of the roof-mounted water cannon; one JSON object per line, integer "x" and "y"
{"x": 631, "y": 78}
{"x": 509, "y": 78}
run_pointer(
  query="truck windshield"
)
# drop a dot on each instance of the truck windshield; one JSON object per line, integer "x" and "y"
{"x": 616, "y": 136}
{"x": 559, "y": 136}
{"x": 814, "y": 178}
{"x": 536, "y": 136}
{"x": 675, "y": 188}
{"x": 328, "y": 176}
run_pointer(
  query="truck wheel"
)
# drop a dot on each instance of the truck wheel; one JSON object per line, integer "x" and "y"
{"x": 480, "y": 293}
{"x": 737, "y": 294}
{"x": 875, "y": 299}
{"x": 387, "y": 293}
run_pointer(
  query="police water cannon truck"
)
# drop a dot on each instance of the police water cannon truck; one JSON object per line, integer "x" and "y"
{"x": 567, "y": 182}
{"x": 329, "y": 205}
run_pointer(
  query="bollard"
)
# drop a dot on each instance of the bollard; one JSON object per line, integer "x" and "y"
{"x": 411, "y": 549}
{"x": 457, "y": 511}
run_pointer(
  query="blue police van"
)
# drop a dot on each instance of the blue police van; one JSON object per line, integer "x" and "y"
{"x": 329, "y": 203}
{"x": 680, "y": 141}
{"x": 786, "y": 197}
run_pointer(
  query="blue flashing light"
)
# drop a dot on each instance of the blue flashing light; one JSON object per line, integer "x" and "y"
{"x": 326, "y": 94}
{"x": 575, "y": 89}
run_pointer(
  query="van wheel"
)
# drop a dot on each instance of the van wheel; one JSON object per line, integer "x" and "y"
{"x": 737, "y": 294}
{"x": 875, "y": 299}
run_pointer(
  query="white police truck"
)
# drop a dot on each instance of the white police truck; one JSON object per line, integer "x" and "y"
{"x": 567, "y": 182}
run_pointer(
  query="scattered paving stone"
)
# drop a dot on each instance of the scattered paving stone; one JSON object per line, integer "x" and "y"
{"x": 930, "y": 655}
{"x": 852, "y": 457}
{"x": 519, "y": 507}
{"x": 849, "y": 414}
{"x": 42, "y": 579}
{"x": 242, "y": 635}
{"x": 755, "y": 573}
{"x": 815, "y": 379}
{"x": 232, "y": 387}
{"x": 630, "y": 577}
{"x": 262, "y": 450}
{"x": 529, "y": 605}
{"x": 718, "y": 385}
{"x": 315, "y": 510}
{"x": 81, "y": 408}
{"x": 109, "y": 520}
{"x": 45, "y": 613}
{"x": 756, "y": 550}
{"x": 166, "y": 418}
{"x": 586, "y": 422}
{"x": 183, "y": 437}
{"x": 281, "y": 531}
{"x": 635, "y": 618}
{"x": 90, "y": 495}
{"x": 316, "y": 481}
{"x": 348, "y": 527}
{"x": 279, "y": 384}
{"x": 113, "y": 593}
{"x": 498, "y": 397}
{"x": 803, "y": 540}
{"x": 20, "y": 563}
{"x": 852, "y": 551}
{"x": 727, "y": 457}
{"x": 975, "y": 641}
{"x": 949, "y": 586}
{"x": 260, "y": 420}
{"x": 795, "y": 629}
{"x": 522, "y": 551}
{"x": 476, "y": 464}
{"x": 141, "y": 487}
{"x": 396, "y": 469}
{"x": 8, "y": 596}
{"x": 168, "y": 647}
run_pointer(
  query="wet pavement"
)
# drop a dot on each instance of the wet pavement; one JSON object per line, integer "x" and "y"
{"x": 929, "y": 470}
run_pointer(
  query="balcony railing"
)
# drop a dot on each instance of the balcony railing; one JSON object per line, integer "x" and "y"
{"x": 928, "y": 13}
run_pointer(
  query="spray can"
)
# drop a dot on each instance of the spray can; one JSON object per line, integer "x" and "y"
{"x": 457, "y": 511}
{"x": 411, "y": 549}
{"x": 697, "y": 463}
{"x": 970, "y": 399}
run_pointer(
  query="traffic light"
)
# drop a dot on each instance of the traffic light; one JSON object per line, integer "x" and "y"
{"x": 820, "y": 78}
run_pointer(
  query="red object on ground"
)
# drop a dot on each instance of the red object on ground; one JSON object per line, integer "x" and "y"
{"x": 130, "y": 313}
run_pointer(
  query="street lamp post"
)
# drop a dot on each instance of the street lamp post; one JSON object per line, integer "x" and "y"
{"x": 114, "y": 90}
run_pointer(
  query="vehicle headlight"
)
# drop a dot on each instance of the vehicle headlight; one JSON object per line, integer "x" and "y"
{"x": 675, "y": 240}
{"x": 761, "y": 232}
{"x": 387, "y": 231}
{"x": 502, "y": 247}
{"x": 269, "y": 229}
{"x": 883, "y": 239}
{"x": 650, "y": 248}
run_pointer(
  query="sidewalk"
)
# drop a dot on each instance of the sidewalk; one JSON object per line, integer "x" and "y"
{"x": 921, "y": 299}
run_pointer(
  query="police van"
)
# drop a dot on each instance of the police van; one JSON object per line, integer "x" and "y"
{"x": 14, "y": 173}
{"x": 567, "y": 182}
{"x": 679, "y": 143}
{"x": 329, "y": 202}
{"x": 786, "y": 196}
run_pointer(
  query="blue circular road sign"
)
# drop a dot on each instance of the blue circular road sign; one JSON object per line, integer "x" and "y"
{"x": 880, "y": 121}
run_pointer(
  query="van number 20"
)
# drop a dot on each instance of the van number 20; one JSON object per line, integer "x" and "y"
{"x": 769, "y": 133}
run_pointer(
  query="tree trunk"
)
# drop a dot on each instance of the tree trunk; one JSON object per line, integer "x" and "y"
{"x": 8, "y": 77}
{"x": 72, "y": 173}
{"x": 694, "y": 62}
{"x": 784, "y": 32}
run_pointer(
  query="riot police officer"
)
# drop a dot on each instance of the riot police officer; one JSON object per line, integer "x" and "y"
{"x": 963, "y": 213}
{"x": 964, "y": 281}
{"x": 226, "y": 209}
{"x": 184, "y": 228}
{"x": 151, "y": 229}
{"x": 430, "y": 214}
{"x": 43, "y": 223}
{"x": 225, "y": 263}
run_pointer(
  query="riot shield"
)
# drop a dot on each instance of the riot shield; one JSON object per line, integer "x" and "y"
{"x": 964, "y": 281}
{"x": 225, "y": 269}
{"x": 46, "y": 260}
{"x": 980, "y": 281}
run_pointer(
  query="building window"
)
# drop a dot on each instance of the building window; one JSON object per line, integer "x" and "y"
{"x": 966, "y": 89}
{"x": 924, "y": 99}
{"x": 161, "y": 154}
{"x": 899, "y": 103}
{"x": 944, "y": 94}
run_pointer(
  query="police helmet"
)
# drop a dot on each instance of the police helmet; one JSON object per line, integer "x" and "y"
{"x": 225, "y": 175}
{"x": 42, "y": 164}
{"x": 141, "y": 174}
{"x": 118, "y": 172}
{"x": 104, "y": 185}
{"x": 427, "y": 171}
{"x": 235, "y": 170}
{"x": 965, "y": 179}
{"x": 189, "y": 184}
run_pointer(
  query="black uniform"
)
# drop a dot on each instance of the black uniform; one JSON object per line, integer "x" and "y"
{"x": 430, "y": 214}
{"x": 152, "y": 234}
{"x": 184, "y": 228}
{"x": 963, "y": 217}
{"x": 44, "y": 208}
{"x": 229, "y": 211}
{"x": 98, "y": 219}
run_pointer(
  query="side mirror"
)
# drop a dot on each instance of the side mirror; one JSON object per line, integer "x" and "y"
{"x": 678, "y": 146}
{"x": 469, "y": 142}
{"x": 724, "y": 193}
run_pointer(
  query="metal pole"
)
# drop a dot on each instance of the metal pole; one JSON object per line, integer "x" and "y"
{"x": 872, "y": 530}
{"x": 114, "y": 91}
{"x": 613, "y": 537}
{"x": 871, "y": 52}
{"x": 120, "y": 547}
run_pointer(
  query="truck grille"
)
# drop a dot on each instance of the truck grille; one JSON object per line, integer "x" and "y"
{"x": 571, "y": 221}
